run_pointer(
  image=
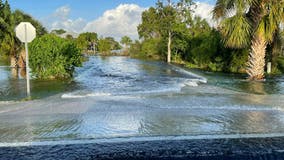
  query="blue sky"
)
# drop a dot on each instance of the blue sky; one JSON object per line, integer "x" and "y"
{"x": 87, "y": 9}
{"x": 88, "y": 15}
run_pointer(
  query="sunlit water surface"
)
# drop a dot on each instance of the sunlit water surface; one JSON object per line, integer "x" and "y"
{"x": 112, "y": 97}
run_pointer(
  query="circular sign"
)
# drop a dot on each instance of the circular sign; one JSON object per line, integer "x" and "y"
{"x": 26, "y": 32}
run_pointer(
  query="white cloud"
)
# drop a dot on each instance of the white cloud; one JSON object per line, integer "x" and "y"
{"x": 60, "y": 19}
{"x": 70, "y": 25}
{"x": 62, "y": 12}
{"x": 204, "y": 10}
{"x": 118, "y": 22}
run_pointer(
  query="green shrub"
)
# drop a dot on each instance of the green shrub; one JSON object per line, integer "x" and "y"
{"x": 52, "y": 57}
{"x": 280, "y": 62}
{"x": 135, "y": 49}
{"x": 150, "y": 48}
{"x": 238, "y": 61}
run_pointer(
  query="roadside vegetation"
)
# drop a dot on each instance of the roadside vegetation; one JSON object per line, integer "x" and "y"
{"x": 10, "y": 46}
{"x": 243, "y": 42}
{"x": 53, "y": 57}
{"x": 254, "y": 24}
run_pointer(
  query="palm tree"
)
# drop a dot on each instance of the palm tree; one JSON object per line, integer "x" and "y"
{"x": 253, "y": 23}
{"x": 8, "y": 39}
{"x": 125, "y": 40}
{"x": 9, "y": 43}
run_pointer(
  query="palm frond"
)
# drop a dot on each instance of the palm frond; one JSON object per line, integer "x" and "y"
{"x": 264, "y": 29}
{"x": 270, "y": 23}
{"x": 253, "y": 2}
{"x": 236, "y": 31}
{"x": 227, "y": 8}
{"x": 219, "y": 9}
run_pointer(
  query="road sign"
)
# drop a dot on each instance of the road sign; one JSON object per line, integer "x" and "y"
{"x": 26, "y": 33}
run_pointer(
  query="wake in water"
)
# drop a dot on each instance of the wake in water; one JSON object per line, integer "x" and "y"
{"x": 123, "y": 76}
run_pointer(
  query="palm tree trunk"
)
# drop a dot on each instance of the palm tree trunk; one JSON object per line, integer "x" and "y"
{"x": 14, "y": 65}
{"x": 13, "y": 61}
{"x": 256, "y": 62}
{"x": 22, "y": 59}
{"x": 169, "y": 47}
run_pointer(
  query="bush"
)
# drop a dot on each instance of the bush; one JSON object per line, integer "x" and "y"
{"x": 280, "y": 62}
{"x": 135, "y": 49}
{"x": 203, "y": 50}
{"x": 238, "y": 61}
{"x": 150, "y": 49}
{"x": 52, "y": 57}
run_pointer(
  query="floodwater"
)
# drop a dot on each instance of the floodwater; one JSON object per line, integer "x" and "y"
{"x": 115, "y": 97}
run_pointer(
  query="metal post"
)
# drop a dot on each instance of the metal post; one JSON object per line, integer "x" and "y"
{"x": 27, "y": 64}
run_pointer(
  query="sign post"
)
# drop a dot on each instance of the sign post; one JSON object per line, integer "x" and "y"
{"x": 26, "y": 33}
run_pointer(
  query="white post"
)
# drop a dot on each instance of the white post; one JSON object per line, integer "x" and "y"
{"x": 26, "y": 32}
{"x": 269, "y": 67}
{"x": 27, "y": 64}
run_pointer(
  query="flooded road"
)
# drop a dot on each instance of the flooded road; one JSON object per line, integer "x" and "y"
{"x": 119, "y": 97}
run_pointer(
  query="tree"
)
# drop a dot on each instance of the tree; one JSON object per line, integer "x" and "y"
{"x": 108, "y": 44}
{"x": 135, "y": 49}
{"x": 9, "y": 43}
{"x": 58, "y": 31}
{"x": 253, "y": 23}
{"x": 20, "y": 16}
{"x": 149, "y": 28}
{"x": 8, "y": 39}
{"x": 165, "y": 21}
{"x": 69, "y": 37}
{"x": 19, "y": 54}
{"x": 113, "y": 43}
{"x": 104, "y": 46}
{"x": 87, "y": 41}
{"x": 125, "y": 40}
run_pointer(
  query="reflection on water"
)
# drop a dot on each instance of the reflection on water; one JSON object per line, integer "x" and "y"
{"x": 237, "y": 82}
{"x": 179, "y": 123}
{"x": 33, "y": 128}
{"x": 133, "y": 123}
{"x": 121, "y": 97}
{"x": 13, "y": 85}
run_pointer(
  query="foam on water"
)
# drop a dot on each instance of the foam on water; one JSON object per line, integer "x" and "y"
{"x": 191, "y": 83}
{"x": 199, "y": 78}
{"x": 8, "y": 102}
{"x": 228, "y": 107}
{"x": 94, "y": 94}
{"x": 73, "y": 95}
{"x": 176, "y": 88}
{"x": 120, "y": 76}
